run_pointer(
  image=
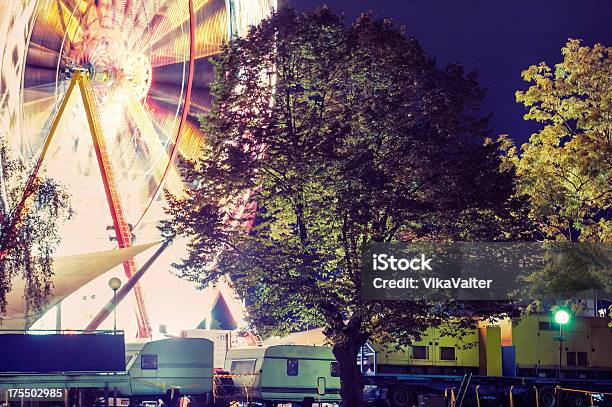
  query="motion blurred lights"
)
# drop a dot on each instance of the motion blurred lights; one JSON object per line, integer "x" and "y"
{"x": 562, "y": 317}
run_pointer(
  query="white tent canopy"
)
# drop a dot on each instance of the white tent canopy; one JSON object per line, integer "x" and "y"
{"x": 70, "y": 273}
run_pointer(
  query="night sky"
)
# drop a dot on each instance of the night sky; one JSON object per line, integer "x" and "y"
{"x": 499, "y": 39}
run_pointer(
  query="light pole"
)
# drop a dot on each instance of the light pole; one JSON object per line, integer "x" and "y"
{"x": 114, "y": 284}
{"x": 562, "y": 317}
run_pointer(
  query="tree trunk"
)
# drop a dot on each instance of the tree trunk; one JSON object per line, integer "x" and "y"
{"x": 351, "y": 379}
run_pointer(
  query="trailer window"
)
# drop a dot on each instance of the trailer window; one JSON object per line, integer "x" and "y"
{"x": 334, "y": 370}
{"x": 244, "y": 366}
{"x": 447, "y": 353}
{"x": 148, "y": 362}
{"x": 292, "y": 367}
{"x": 419, "y": 352}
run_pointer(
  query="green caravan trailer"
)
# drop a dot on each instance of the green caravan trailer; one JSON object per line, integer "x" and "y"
{"x": 283, "y": 374}
{"x": 183, "y": 364}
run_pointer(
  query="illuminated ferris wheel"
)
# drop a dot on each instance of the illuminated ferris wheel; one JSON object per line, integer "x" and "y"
{"x": 113, "y": 88}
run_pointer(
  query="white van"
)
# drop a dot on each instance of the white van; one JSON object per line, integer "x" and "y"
{"x": 284, "y": 374}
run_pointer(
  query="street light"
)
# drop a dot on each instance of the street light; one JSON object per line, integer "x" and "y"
{"x": 562, "y": 317}
{"x": 114, "y": 284}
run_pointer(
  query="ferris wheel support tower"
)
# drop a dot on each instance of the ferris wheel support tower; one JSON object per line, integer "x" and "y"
{"x": 82, "y": 77}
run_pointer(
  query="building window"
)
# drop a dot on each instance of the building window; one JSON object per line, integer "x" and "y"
{"x": 447, "y": 353}
{"x": 544, "y": 326}
{"x": 148, "y": 362}
{"x": 582, "y": 359}
{"x": 334, "y": 370}
{"x": 292, "y": 367}
{"x": 244, "y": 366}
{"x": 548, "y": 326}
{"x": 419, "y": 352}
{"x": 577, "y": 359}
{"x": 571, "y": 358}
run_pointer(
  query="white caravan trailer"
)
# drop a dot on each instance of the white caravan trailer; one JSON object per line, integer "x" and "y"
{"x": 284, "y": 373}
{"x": 183, "y": 364}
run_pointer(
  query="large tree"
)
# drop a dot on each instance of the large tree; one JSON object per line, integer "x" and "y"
{"x": 321, "y": 140}
{"x": 29, "y": 232}
{"x": 565, "y": 170}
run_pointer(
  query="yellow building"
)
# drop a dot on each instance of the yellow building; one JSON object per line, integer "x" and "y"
{"x": 529, "y": 347}
{"x": 586, "y": 351}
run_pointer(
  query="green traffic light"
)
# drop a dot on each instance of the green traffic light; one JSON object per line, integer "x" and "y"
{"x": 562, "y": 317}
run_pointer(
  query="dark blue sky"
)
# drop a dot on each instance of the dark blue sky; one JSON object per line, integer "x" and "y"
{"x": 497, "y": 38}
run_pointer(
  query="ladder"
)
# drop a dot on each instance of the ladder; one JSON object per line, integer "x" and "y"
{"x": 463, "y": 388}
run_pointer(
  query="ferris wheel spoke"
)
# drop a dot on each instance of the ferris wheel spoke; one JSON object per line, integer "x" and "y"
{"x": 146, "y": 16}
{"x": 173, "y": 46}
{"x": 150, "y": 137}
{"x": 39, "y": 77}
{"x": 166, "y": 25}
{"x": 129, "y": 14}
{"x": 41, "y": 95}
{"x": 37, "y": 113}
{"x": 47, "y": 35}
{"x": 171, "y": 21}
{"x": 61, "y": 14}
{"x": 135, "y": 23}
{"x": 119, "y": 12}
{"x": 158, "y": 95}
{"x": 112, "y": 13}
{"x": 37, "y": 109}
{"x": 191, "y": 139}
{"x": 91, "y": 16}
{"x": 172, "y": 74}
{"x": 42, "y": 57}
{"x": 170, "y": 95}
{"x": 66, "y": 17}
{"x": 168, "y": 16}
{"x": 105, "y": 12}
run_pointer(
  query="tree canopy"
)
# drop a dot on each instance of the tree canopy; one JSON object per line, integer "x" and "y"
{"x": 564, "y": 171}
{"x": 27, "y": 241}
{"x": 321, "y": 140}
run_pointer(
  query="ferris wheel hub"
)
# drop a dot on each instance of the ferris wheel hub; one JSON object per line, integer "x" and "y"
{"x": 110, "y": 65}
{"x": 98, "y": 75}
